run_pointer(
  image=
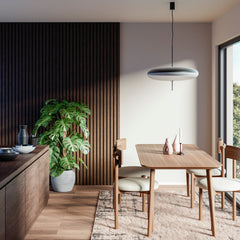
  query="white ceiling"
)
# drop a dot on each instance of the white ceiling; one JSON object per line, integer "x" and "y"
{"x": 112, "y": 10}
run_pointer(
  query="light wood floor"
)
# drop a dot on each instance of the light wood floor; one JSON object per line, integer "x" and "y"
{"x": 70, "y": 216}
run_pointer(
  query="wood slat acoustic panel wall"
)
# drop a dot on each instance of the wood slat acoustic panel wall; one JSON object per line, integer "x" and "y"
{"x": 72, "y": 61}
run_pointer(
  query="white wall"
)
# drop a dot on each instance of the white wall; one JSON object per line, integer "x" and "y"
{"x": 149, "y": 110}
{"x": 224, "y": 28}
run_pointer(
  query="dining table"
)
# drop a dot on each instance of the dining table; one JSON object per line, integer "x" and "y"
{"x": 152, "y": 157}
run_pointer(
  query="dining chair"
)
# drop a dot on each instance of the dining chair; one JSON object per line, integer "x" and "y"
{"x": 130, "y": 171}
{"x": 121, "y": 185}
{"x": 223, "y": 184}
{"x": 197, "y": 174}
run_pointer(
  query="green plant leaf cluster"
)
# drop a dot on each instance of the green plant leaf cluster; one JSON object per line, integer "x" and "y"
{"x": 60, "y": 121}
{"x": 236, "y": 115}
{"x": 236, "y": 120}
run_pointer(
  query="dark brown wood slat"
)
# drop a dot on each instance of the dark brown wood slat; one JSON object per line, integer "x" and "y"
{"x": 72, "y": 61}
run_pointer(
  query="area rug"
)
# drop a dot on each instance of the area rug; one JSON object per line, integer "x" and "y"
{"x": 174, "y": 219}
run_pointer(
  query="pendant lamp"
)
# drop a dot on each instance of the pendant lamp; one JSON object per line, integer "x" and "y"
{"x": 172, "y": 73}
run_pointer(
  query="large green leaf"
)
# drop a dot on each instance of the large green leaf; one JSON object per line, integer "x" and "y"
{"x": 63, "y": 125}
{"x": 64, "y": 162}
{"x": 55, "y": 171}
{"x": 85, "y": 147}
{"x": 80, "y": 117}
{"x": 72, "y": 144}
{"x": 51, "y": 101}
{"x": 83, "y": 107}
{"x": 43, "y": 121}
{"x": 85, "y": 131}
{"x": 84, "y": 164}
{"x": 54, "y": 153}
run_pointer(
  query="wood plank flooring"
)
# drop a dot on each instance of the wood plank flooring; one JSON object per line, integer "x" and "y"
{"x": 70, "y": 216}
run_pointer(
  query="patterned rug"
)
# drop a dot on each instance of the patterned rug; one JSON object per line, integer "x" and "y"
{"x": 174, "y": 219}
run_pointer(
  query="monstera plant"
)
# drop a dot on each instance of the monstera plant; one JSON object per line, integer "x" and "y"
{"x": 60, "y": 122}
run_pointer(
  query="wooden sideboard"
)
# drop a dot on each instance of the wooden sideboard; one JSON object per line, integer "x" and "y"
{"x": 24, "y": 192}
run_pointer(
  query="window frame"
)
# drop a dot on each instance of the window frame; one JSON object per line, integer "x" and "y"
{"x": 222, "y": 87}
{"x": 222, "y": 95}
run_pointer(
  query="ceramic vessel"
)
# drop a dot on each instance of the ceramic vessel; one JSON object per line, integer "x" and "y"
{"x": 64, "y": 182}
{"x": 167, "y": 148}
{"x": 33, "y": 140}
{"x": 23, "y": 135}
{"x": 176, "y": 145}
{"x": 24, "y": 149}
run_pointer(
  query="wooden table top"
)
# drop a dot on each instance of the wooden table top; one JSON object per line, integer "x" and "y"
{"x": 151, "y": 156}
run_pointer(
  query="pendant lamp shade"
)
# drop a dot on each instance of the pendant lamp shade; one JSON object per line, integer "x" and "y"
{"x": 173, "y": 73}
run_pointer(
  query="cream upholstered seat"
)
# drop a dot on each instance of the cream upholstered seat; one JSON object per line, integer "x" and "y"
{"x": 221, "y": 184}
{"x": 133, "y": 171}
{"x": 135, "y": 184}
{"x": 130, "y": 171}
{"x": 202, "y": 172}
{"x": 196, "y": 174}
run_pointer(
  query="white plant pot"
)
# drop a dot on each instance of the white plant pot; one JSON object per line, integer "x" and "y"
{"x": 64, "y": 182}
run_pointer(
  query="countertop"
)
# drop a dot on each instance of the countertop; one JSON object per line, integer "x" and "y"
{"x": 10, "y": 169}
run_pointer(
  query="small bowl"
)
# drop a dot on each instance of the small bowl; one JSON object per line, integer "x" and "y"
{"x": 6, "y": 150}
{"x": 24, "y": 149}
{"x": 7, "y": 154}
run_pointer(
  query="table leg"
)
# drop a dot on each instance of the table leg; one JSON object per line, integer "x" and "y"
{"x": 211, "y": 202}
{"x": 151, "y": 203}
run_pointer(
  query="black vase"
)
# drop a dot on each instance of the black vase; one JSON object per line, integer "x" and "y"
{"x": 23, "y": 135}
{"x": 33, "y": 140}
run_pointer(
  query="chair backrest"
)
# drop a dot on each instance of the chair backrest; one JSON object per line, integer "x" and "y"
{"x": 117, "y": 156}
{"x": 231, "y": 152}
{"x": 221, "y": 150}
{"x": 122, "y": 144}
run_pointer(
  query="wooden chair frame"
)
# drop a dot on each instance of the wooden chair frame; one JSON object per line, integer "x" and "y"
{"x": 233, "y": 153}
{"x": 194, "y": 177}
{"x": 117, "y": 160}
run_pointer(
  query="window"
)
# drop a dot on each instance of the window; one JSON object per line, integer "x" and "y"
{"x": 229, "y": 97}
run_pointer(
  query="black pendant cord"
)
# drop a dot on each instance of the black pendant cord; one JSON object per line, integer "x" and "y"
{"x": 172, "y": 47}
{"x": 172, "y": 41}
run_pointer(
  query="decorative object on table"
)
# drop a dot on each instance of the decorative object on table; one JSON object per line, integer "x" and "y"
{"x": 167, "y": 148}
{"x": 61, "y": 121}
{"x": 23, "y": 135}
{"x": 7, "y": 154}
{"x": 180, "y": 142}
{"x": 24, "y": 149}
{"x": 176, "y": 145}
{"x": 33, "y": 140}
{"x": 173, "y": 73}
{"x": 181, "y": 152}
